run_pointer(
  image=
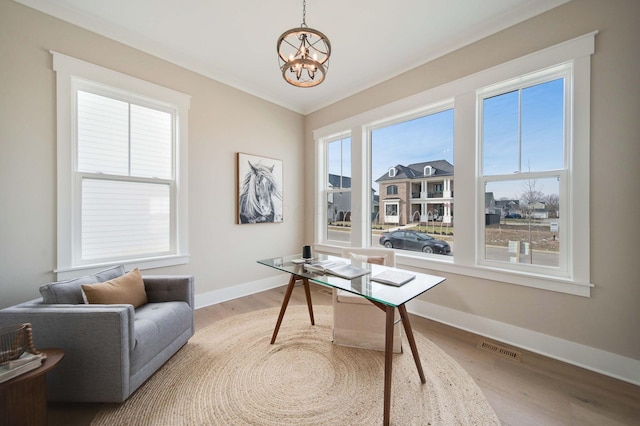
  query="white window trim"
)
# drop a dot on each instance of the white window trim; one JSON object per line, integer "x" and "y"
{"x": 324, "y": 189}
{"x": 392, "y": 218}
{"x": 463, "y": 91}
{"x": 69, "y": 70}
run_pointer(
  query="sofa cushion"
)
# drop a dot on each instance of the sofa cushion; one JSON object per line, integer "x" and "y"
{"x": 126, "y": 289}
{"x": 70, "y": 292}
{"x": 157, "y": 325}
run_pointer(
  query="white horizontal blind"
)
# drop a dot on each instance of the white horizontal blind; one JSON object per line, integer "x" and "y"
{"x": 122, "y": 218}
{"x": 125, "y": 164}
{"x": 150, "y": 142}
{"x": 103, "y": 134}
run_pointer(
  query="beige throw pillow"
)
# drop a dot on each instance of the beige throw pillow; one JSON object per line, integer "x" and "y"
{"x": 378, "y": 260}
{"x": 126, "y": 289}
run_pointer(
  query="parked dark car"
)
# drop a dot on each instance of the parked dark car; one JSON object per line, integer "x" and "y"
{"x": 513, "y": 216}
{"x": 416, "y": 241}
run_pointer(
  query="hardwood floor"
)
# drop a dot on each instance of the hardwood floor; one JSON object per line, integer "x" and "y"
{"x": 531, "y": 390}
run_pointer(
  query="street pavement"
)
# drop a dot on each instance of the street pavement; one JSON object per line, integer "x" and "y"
{"x": 493, "y": 252}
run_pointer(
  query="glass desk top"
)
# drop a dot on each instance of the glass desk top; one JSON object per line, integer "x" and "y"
{"x": 364, "y": 286}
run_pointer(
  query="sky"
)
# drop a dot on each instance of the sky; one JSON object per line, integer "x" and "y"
{"x": 542, "y": 130}
{"x": 427, "y": 138}
{"x": 535, "y": 142}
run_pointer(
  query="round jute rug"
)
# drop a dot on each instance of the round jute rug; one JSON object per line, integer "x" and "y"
{"x": 229, "y": 374}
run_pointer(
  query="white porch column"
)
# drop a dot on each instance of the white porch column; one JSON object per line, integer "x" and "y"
{"x": 447, "y": 188}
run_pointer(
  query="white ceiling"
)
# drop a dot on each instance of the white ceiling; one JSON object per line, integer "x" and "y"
{"x": 234, "y": 42}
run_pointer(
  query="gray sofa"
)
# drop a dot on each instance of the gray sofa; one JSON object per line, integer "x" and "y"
{"x": 110, "y": 350}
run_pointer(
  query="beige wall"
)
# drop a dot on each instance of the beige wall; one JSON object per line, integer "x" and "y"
{"x": 610, "y": 319}
{"x": 223, "y": 121}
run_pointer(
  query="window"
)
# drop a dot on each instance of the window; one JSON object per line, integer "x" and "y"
{"x": 421, "y": 144}
{"x": 125, "y": 168}
{"x": 520, "y": 133}
{"x": 391, "y": 209}
{"x": 122, "y": 170}
{"x": 523, "y": 145}
{"x": 338, "y": 189}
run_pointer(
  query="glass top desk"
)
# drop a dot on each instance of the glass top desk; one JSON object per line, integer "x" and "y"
{"x": 385, "y": 297}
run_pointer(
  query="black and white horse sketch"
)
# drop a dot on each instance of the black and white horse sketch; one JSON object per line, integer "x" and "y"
{"x": 259, "y": 189}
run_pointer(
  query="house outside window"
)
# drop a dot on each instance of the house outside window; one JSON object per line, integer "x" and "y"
{"x": 121, "y": 170}
{"x": 425, "y": 199}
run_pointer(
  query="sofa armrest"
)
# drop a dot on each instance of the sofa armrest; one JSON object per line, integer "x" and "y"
{"x": 96, "y": 340}
{"x": 169, "y": 288}
{"x": 53, "y": 321}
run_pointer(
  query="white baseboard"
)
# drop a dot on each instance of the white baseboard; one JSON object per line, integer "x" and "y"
{"x": 607, "y": 363}
{"x": 240, "y": 290}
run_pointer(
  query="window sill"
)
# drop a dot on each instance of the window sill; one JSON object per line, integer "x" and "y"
{"x": 142, "y": 264}
{"x": 557, "y": 284}
{"x": 435, "y": 263}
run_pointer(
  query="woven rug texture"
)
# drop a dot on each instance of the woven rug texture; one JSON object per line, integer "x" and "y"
{"x": 229, "y": 374}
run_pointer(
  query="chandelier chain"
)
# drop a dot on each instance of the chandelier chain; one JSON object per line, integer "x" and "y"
{"x": 304, "y": 13}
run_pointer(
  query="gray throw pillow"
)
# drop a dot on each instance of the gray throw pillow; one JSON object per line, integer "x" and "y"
{"x": 70, "y": 291}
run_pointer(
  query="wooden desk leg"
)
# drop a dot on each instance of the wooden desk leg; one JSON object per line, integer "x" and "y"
{"x": 414, "y": 349}
{"x": 283, "y": 308}
{"x": 285, "y": 303}
{"x": 307, "y": 291}
{"x": 388, "y": 362}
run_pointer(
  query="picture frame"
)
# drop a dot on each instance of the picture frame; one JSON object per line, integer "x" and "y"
{"x": 259, "y": 189}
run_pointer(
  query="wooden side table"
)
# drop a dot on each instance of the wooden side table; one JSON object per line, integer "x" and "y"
{"x": 23, "y": 399}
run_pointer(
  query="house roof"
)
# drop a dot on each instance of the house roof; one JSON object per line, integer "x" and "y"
{"x": 334, "y": 181}
{"x": 416, "y": 170}
{"x": 512, "y": 204}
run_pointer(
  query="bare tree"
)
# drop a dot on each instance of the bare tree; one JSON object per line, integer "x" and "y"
{"x": 552, "y": 202}
{"x": 531, "y": 196}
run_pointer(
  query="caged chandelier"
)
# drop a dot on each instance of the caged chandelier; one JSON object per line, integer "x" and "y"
{"x": 303, "y": 54}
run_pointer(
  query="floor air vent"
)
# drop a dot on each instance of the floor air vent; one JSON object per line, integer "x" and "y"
{"x": 499, "y": 350}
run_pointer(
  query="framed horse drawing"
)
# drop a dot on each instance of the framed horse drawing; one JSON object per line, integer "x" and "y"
{"x": 259, "y": 189}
